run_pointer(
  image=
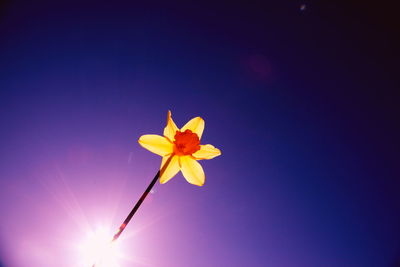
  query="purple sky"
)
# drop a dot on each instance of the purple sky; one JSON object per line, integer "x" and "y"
{"x": 300, "y": 100}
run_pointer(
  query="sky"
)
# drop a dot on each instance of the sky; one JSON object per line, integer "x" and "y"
{"x": 300, "y": 96}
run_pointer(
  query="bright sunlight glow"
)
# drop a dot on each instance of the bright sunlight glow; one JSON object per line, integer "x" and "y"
{"x": 98, "y": 250}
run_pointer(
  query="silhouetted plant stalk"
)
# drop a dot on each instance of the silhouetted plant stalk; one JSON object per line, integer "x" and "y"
{"x": 139, "y": 202}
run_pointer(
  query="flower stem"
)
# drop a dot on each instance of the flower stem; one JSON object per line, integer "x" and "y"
{"x": 140, "y": 201}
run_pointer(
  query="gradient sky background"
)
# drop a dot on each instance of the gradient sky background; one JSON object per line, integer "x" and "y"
{"x": 301, "y": 102}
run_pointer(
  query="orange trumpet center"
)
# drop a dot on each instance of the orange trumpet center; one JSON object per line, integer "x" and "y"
{"x": 186, "y": 143}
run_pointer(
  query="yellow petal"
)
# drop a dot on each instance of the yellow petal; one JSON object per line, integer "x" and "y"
{"x": 206, "y": 152}
{"x": 192, "y": 170}
{"x": 170, "y": 129}
{"x": 196, "y": 125}
{"x": 171, "y": 170}
{"x": 156, "y": 144}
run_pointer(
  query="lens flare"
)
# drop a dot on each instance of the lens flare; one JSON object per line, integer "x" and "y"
{"x": 98, "y": 250}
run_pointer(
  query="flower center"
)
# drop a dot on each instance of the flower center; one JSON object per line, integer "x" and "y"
{"x": 186, "y": 143}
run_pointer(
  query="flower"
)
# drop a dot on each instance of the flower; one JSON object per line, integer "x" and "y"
{"x": 184, "y": 149}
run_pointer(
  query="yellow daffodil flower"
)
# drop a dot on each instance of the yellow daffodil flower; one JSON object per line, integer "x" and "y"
{"x": 181, "y": 149}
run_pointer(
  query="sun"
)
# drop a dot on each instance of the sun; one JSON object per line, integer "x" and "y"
{"x": 98, "y": 250}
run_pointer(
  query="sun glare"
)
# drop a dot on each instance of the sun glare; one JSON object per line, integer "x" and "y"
{"x": 98, "y": 250}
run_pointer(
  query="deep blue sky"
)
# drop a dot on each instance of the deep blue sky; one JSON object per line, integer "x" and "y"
{"x": 302, "y": 103}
